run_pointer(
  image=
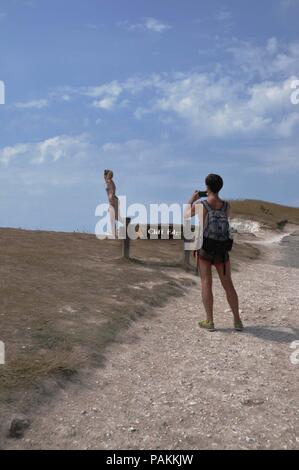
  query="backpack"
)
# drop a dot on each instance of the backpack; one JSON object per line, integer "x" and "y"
{"x": 216, "y": 235}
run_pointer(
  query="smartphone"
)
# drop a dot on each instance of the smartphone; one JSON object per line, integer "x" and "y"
{"x": 202, "y": 193}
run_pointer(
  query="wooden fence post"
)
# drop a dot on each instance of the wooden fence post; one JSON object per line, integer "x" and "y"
{"x": 187, "y": 254}
{"x": 186, "y": 262}
{"x": 126, "y": 241}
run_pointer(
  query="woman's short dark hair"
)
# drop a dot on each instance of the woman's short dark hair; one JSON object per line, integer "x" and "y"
{"x": 214, "y": 183}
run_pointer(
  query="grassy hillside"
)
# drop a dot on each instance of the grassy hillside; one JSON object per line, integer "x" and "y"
{"x": 64, "y": 298}
{"x": 268, "y": 213}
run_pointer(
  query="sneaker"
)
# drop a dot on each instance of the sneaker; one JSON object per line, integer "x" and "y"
{"x": 238, "y": 325}
{"x": 208, "y": 325}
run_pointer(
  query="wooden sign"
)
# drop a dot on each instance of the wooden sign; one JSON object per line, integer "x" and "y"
{"x": 162, "y": 232}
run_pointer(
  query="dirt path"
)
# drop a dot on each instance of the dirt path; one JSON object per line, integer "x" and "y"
{"x": 170, "y": 385}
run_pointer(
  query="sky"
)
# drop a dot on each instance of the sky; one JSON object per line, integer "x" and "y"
{"x": 162, "y": 92}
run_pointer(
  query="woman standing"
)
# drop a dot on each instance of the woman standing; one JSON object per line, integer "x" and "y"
{"x": 113, "y": 200}
{"x": 216, "y": 233}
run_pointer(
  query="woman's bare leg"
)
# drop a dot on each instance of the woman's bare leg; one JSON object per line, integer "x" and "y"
{"x": 205, "y": 269}
{"x": 112, "y": 221}
{"x": 228, "y": 286}
{"x": 120, "y": 222}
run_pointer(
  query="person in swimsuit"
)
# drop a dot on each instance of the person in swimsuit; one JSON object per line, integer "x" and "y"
{"x": 115, "y": 216}
{"x": 113, "y": 200}
{"x": 206, "y": 259}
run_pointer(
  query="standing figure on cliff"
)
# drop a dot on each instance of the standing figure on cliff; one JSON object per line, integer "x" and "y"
{"x": 113, "y": 201}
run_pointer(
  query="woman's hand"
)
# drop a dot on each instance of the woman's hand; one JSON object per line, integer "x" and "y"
{"x": 195, "y": 197}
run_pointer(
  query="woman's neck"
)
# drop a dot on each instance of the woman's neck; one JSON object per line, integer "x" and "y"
{"x": 213, "y": 198}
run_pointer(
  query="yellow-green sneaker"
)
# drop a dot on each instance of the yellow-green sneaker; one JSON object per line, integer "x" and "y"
{"x": 208, "y": 325}
{"x": 238, "y": 325}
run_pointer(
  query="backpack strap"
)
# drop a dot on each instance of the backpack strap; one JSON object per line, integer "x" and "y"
{"x": 207, "y": 206}
{"x": 224, "y": 207}
{"x": 206, "y": 222}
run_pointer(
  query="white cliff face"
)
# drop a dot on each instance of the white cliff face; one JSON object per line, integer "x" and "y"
{"x": 245, "y": 225}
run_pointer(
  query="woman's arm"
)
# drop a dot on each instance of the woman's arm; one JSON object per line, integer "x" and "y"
{"x": 190, "y": 209}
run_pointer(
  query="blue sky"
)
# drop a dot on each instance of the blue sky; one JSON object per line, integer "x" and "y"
{"x": 162, "y": 92}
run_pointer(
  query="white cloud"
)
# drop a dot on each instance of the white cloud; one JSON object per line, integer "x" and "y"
{"x": 66, "y": 97}
{"x": 245, "y": 97}
{"x": 9, "y": 153}
{"x": 272, "y": 45}
{"x": 140, "y": 112}
{"x": 65, "y": 93}
{"x": 108, "y": 92}
{"x": 34, "y": 104}
{"x": 106, "y": 103}
{"x": 210, "y": 106}
{"x": 288, "y": 125}
{"x": 155, "y": 25}
{"x": 49, "y": 150}
{"x": 112, "y": 88}
{"x": 217, "y": 107}
{"x": 266, "y": 61}
{"x": 224, "y": 107}
{"x": 270, "y": 96}
{"x": 147, "y": 24}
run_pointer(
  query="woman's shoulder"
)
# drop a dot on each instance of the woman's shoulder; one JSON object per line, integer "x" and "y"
{"x": 220, "y": 205}
{"x": 204, "y": 203}
{"x": 200, "y": 202}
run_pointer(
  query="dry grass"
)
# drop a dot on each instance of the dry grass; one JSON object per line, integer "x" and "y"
{"x": 64, "y": 298}
{"x": 270, "y": 214}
